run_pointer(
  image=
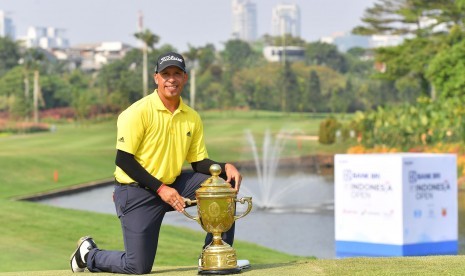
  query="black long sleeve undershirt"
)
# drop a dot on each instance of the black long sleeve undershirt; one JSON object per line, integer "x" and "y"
{"x": 134, "y": 169}
{"x": 203, "y": 166}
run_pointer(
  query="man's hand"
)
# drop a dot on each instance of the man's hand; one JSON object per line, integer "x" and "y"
{"x": 172, "y": 197}
{"x": 233, "y": 174}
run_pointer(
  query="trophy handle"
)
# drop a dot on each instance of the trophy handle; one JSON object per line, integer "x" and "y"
{"x": 249, "y": 207}
{"x": 190, "y": 202}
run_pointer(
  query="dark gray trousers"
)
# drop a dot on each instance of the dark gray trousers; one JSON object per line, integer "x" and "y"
{"x": 141, "y": 213}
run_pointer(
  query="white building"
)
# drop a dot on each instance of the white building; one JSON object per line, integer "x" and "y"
{"x": 6, "y": 26}
{"x": 279, "y": 53}
{"x": 345, "y": 41}
{"x": 285, "y": 20}
{"x": 45, "y": 38}
{"x": 244, "y": 20}
{"x": 377, "y": 41}
{"x": 94, "y": 56}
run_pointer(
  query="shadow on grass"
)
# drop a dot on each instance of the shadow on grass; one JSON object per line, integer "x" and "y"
{"x": 180, "y": 269}
{"x": 268, "y": 266}
{"x": 252, "y": 268}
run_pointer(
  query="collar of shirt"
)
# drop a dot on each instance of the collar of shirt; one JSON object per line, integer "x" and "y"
{"x": 160, "y": 106}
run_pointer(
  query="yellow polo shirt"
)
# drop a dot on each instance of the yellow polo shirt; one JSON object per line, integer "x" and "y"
{"x": 160, "y": 140}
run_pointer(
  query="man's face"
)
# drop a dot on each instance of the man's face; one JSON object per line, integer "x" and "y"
{"x": 170, "y": 82}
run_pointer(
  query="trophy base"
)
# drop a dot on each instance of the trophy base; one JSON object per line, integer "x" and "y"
{"x": 220, "y": 272}
{"x": 219, "y": 260}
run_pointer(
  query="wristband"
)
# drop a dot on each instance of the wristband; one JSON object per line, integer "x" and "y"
{"x": 160, "y": 188}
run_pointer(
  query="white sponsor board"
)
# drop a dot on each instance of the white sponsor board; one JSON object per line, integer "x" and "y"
{"x": 395, "y": 204}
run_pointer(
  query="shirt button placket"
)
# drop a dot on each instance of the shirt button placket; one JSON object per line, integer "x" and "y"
{"x": 171, "y": 125}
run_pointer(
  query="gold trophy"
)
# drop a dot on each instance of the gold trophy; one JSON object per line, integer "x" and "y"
{"x": 216, "y": 208}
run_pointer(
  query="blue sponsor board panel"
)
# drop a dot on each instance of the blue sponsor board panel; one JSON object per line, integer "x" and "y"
{"x": 346, "y": 249}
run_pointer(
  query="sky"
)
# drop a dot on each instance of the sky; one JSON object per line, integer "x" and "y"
{"x": 177, "y": 22}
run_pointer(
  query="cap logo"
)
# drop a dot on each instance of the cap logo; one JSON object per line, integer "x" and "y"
{"x": 167, "y": 58}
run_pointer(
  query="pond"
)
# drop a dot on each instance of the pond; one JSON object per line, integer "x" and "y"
{"x": 304, "y": 228}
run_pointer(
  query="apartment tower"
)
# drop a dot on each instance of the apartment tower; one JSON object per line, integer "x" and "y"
{"x": 244, "y": 20}
{"x": 286, "y": 20}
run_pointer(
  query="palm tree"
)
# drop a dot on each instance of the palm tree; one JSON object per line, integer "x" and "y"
{"x": 192, "y": 55}
{"x": 149, "y": 39}
{"x": 33, "y": 59}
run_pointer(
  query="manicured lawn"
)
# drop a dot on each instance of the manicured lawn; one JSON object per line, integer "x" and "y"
{"x": 37, "y": 237}
{"x": 85, "y": 153}
{"x": 419, "y": 266}
{"x": 40, "y": 237}
{"x": 38, "y": 240}
{"x": 78, "y": 154}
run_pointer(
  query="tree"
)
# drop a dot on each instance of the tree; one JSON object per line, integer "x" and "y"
{"x": 119, "y": 81}
{"x": 9, "y": 54}
{"x": 340, "y": 100}
{"x": 55, "y": 91}
{"x": 259, "y": 87}
{"x": 290, "y": 94}
{"x": 329, "y": 78}
{"x": 237, "y": 54}
{"x": 206, "y": 57}
{"x": 198, "y": 60}
{"x": 359, "y": 62}
{"x": 149, "y": 40}
{"x": 34, "y": 59}
{"x": 12, "y": 97}
{"x": 288, "y": 39}
{"x": 446, "y": 71}
{"x": 319, "y": 53}
{"x": 311, "y": 96}
{"x": 426, "y": 23}
{"x": 409, "y": 17}
{"x": 409, "y": 88}
{"x": 411, "y": 59}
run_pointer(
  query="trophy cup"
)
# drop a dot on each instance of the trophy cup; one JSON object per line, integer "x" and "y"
{"x": 216, "y": 208}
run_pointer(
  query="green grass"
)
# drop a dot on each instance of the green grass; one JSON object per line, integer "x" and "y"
{"x": 415, "y": 266}
{"x": 85, "y": 153}
{"x": 78, "y": 153}
{"x": 38, "y": 237}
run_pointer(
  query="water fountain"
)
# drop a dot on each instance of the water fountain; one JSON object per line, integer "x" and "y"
{"x": 275, "y": 191}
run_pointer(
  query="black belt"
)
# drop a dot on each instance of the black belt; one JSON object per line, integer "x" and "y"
{"x": 133, "y": 184}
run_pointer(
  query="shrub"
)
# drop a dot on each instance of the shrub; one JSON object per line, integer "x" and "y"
{"x": 327, "y": 131}
{"x": 24, "y": 127}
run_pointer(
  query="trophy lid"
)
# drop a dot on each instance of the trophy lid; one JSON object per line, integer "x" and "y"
{"x": 215, "y": 183}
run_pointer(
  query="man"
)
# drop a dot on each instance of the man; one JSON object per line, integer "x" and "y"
{"x": 155, "y": 136}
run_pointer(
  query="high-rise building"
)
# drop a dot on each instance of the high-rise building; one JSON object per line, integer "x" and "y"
{"x": 46, "y": 38}
{"x": 286, "y": 20}
{"x": 6, "y": 26}
{"x": 244, "y": 20}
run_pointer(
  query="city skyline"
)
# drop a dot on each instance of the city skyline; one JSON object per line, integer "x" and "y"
{"x": 209, "y": 21}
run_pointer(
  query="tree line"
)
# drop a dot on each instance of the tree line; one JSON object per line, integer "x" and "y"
{"x": 428, "y": 68}
{"x": 428, "y": 64}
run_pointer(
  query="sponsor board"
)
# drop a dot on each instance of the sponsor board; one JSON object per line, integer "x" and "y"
{"x": 395, "y": 204}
